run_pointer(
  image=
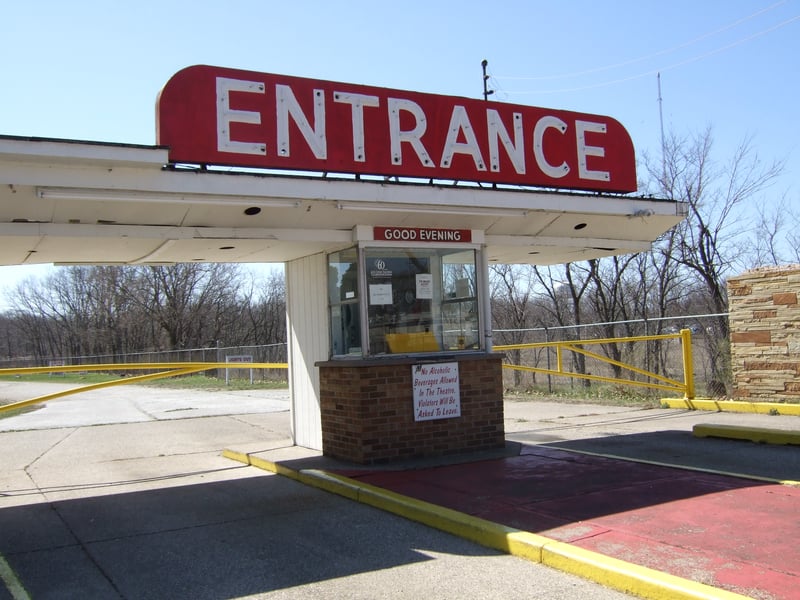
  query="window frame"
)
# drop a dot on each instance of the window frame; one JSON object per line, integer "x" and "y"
{"x": 415, "y": 339}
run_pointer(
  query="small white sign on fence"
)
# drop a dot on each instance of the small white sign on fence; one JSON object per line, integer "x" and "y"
{"x": 242, "y": 358}
{"x": 56, "y": 363}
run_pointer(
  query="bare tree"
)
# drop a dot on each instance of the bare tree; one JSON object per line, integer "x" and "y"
{"x": 512, "y": 299}
{"x": 188, "y": 301}
{"x": 711, "y": 243}
{"x": 565, "y": 287}
{"x": 662, "y": 285}
{"x": 613, "y": 301}
{"x": 108, "y": 311}
{"x": 776, "y": 240}
{"x": 265, "y": 310}
{"x": 793, "y": 238}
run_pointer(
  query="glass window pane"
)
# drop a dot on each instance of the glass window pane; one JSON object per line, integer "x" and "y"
{"x": 421, "y": 300}
{"x": 343, "y": 299}
{"x": 343, "y": 276}
{"x": 460, "y": 329}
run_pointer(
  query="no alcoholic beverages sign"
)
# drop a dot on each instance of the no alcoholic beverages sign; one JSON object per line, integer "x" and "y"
{"x": 436, "y": 391}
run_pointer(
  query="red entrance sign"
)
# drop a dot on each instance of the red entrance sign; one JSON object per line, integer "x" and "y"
{"x": 421, "y": 234}
{"x": 213, "y": 115}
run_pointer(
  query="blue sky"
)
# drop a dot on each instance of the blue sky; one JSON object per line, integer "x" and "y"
{"x": 91, "y": 70}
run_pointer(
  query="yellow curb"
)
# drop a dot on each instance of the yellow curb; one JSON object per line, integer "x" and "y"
{"x": 761, "y": 435}
{"x": 264, "y": 465}
{"x": 627, "y": 577}
{"x": 241, "y": 457}
{"x": 764, "y": 408}
{"x": 481, "y": 531}
{"x": 611, "y": 572}
{"x": 330, "y": 483}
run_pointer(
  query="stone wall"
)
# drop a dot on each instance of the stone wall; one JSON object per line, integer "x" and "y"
{"x": 765, "y": 334}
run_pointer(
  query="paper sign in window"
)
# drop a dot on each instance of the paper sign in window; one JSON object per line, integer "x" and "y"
{"x": 380, "y": 293}
{"x": 424, "y": 286}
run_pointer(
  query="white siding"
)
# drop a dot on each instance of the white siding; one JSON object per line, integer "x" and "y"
{"x": 307, "y": 315}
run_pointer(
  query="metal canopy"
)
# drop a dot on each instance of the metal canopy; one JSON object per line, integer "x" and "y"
{"x": 73, "y": 202}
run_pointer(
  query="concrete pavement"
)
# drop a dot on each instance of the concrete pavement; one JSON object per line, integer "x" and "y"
{"x": 627, "y": 497}
{"x": 150, "y": 509}
{"x": 658, "y": 436}
{"x": 121, "y": 405}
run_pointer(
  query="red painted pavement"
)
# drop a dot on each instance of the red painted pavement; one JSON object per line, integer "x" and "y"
{"x": 732, "y": 533}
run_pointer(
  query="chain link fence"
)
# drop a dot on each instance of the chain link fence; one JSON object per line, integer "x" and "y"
{"x": 266, "y": 353}
{"x": 660, "y": 356}
{"x": 663, "y": 357}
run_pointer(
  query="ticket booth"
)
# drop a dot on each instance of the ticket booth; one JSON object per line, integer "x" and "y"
{"x": 389, "y": 331}
{"x": 411, "y": 371}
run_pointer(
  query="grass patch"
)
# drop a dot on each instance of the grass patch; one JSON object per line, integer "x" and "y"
{"x": 68, "y": 378}
{"x": 190, "y": 382}
{"x": 607, "y": 395}
{"x": 17, "y": 411}
{"x": 203, "y": 382}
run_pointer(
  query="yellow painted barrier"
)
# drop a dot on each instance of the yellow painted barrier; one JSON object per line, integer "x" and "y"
{"x": 737, "y": 406}
{"x": 173, "y": 369}
{"x": 685, "y": 387}
{"x": 759, "y": 435}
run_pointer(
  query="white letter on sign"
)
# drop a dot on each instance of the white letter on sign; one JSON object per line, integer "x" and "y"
{"x": 286, "y": 104}
{"x": 412, "y": 136}
{"x": 538, "y": 150}
{"x": 498, "y": 131}
{"x": 357, "y": 102}
{"x": 581, "y": 127}
{"x": 459, "y": 122}
{"x": 226, "y": 115}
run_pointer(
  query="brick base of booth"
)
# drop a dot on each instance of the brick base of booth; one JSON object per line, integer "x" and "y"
{"x": 368, "y": 416}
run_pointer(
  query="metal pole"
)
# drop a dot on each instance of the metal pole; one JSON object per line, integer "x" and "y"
{"x": 486, "y": 91}
{"x": 688, "y": 368}
{"x": 661, "y": 121}
{"x": 483, "y": 282}
{"x": 547, "y": 351}
{"x": 646, "y": 350}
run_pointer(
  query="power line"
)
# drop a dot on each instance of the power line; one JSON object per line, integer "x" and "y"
{"x": 665, "y": 68}
{"x": 647, "y": 56}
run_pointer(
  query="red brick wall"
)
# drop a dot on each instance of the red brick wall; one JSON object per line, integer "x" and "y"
{"x": 367, "y": 410}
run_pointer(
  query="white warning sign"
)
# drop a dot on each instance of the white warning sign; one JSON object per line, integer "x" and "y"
{"x": 436, "y": 391}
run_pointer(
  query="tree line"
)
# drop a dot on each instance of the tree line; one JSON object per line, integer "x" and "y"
{"x": 731, "y": 225}
{"x": 116, "y": 310}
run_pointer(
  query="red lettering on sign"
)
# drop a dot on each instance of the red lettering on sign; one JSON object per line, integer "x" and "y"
{"x": 213, "y": 115}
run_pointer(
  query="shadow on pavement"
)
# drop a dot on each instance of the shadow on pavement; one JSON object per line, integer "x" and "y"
{"x": 682, "y": 449}
{"x": 215, "y": 540}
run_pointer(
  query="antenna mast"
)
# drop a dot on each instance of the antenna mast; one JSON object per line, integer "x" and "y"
{"x": 661, "y": 121}
{"x": 486, "y": 91}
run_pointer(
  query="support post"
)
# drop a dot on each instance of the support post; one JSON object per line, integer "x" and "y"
{"x": 688, "y": 368}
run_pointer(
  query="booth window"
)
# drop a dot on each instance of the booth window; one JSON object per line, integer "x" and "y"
{"x": 415, "y": 300}
{"x": 421, "y": 300}
{"x": 343, "y": 300}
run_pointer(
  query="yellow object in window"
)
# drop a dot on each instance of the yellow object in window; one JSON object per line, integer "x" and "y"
{"x": 422, "y": 341}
